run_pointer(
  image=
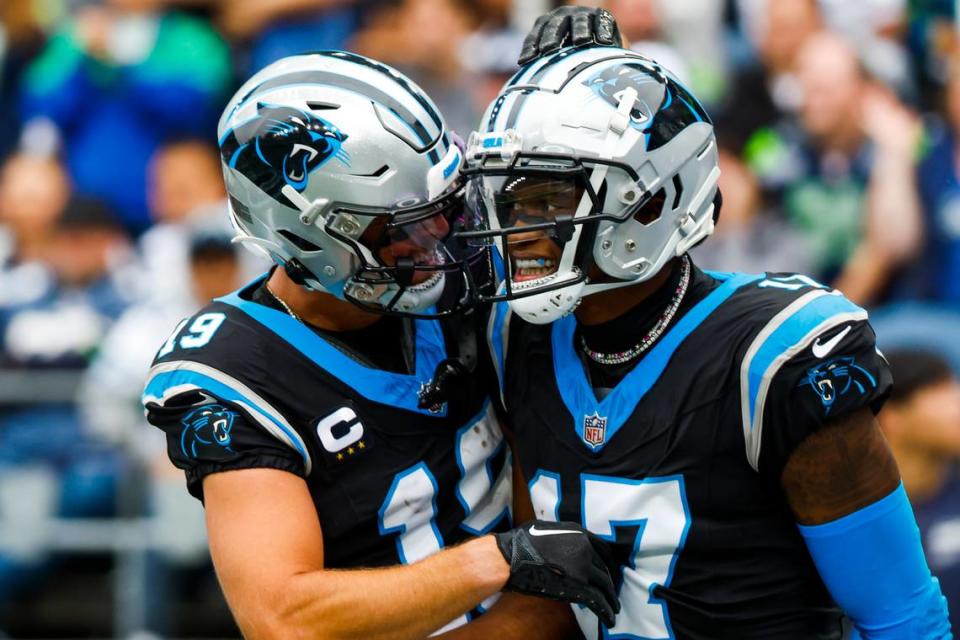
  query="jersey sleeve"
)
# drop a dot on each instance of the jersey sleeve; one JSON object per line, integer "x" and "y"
{"x": 214, "y": 423}
{"x": 812, "y": 363}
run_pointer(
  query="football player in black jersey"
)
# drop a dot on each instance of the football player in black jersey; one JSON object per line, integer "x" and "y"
{"x": 323, "y": 435}
{"x": 717, "y": 428}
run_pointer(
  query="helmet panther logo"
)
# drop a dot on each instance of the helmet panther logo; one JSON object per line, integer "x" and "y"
{"x": 206, "y": 430}
{"x": 282, "y": 146}
{"x": 663, "y": 108}
{"x": 837, "y": 377}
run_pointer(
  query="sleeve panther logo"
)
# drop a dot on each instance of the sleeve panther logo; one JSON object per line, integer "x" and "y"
{"x": 657, "y": 94}
{"x": 837, "y": 377}
{"x": 206, "y": 431}
{"x": 282, "y": 146}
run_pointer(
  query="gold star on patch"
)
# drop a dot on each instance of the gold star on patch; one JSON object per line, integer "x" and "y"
{"x": 360, "y": 445}
{"x": 339, "y": 456}
{"x": 350, "y": 451}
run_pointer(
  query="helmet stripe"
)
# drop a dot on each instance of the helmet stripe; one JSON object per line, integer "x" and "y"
{"x": 421, "y": 99}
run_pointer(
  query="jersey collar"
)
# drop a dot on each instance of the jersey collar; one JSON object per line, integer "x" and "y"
{"x": 385, "y": 387}
{"x": 608, "y": 415}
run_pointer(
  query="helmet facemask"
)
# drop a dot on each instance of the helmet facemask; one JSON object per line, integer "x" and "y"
{"x": 543, "y": 212}
{"x": 407, "y": 260}
{"x": 402, "y": 261}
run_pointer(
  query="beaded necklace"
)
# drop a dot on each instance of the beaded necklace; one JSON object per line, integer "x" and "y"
{"x": 621, "y": 357}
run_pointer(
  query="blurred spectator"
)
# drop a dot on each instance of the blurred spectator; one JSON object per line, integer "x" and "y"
{"x": 874, "y": 27}
{"x": 919, "y": 325}
{"x": 489, "y": 53}
{"x": 186, "y": 195}
{"x": 932, "y": 40}
{"x": 641, "y": 23}
{"x": 184, "y": 181}
{"x": 20, "y": 40}
{"x": 922, "y": 425}
{"x": 936, "y": 274}
{"x": 844, "y": 174}
{"x": 748, "y": 238}
{"x": 33, "y": 193}
{"x": 274, "y": 29}
{"x": 43, "y": 448}
{"x": 118, "y": 79}
{"x": 109, "y": 399}
{"x": 63, "y": 325}
{"x": 111, "y": 391}
{"x": 763, "y": 90}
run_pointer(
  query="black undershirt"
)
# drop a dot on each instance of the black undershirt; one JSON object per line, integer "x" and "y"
{"x": 626, "y": 331}
{"x": 379, "y": 345}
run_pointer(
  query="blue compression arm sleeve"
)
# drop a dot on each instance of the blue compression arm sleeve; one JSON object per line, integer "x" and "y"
{"x": 873, "y": 565}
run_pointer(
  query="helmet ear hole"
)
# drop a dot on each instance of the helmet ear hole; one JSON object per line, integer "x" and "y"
{"x": 650, "y": 211}
{"x": 301, "y": 243}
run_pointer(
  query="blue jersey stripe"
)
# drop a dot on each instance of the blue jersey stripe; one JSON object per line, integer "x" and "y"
{"x": 790, "y": 333}
{"x": 158, "y": 385}
{"x": 393, "y": 389}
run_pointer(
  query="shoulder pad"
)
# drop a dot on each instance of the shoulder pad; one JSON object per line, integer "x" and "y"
{"x": 168, "y": 382}
{"x": 784, "y": 324}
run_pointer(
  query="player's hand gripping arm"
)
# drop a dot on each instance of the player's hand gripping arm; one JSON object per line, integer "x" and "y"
{"x": 267, "y": 547}
{"x": 844, "y": 488}
{"x": 516, "y": 616}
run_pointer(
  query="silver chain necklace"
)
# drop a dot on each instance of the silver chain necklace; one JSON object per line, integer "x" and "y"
{"x": 621, "y": 357}
{"x": 283, "y": 304}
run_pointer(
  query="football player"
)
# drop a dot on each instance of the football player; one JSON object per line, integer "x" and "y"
{"x": 323, "y": 435}
{"x": 717, "y": 428}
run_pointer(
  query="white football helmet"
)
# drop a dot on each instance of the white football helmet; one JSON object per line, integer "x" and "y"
{"x": 341, "y": 170}
{"x": 593, "y": 168}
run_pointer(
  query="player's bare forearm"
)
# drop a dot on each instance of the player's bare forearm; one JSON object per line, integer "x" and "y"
{"x": 840, "y": 469}
{"x": 396, "y": 603}
{"x": 518, "y": 617}
{"x": 844, "y": 488}
{"x": 267, "y": 548}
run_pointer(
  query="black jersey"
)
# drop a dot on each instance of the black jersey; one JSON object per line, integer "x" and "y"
{"x": 679, "y": 465}
{"x": 242, "y": 385}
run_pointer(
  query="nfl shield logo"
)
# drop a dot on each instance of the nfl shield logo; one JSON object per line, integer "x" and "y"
{"x": 594, "y": 429}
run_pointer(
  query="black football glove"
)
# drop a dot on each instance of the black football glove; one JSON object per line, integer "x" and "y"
{"x": 561, "y": 561}
{"x": 569, "y": 26}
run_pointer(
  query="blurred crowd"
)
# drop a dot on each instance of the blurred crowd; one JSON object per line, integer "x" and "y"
{"x": 838, "y": 125}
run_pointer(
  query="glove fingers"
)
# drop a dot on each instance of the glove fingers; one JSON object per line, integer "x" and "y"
{"x": 601, "y": 580}
{"x": 554, "y": 33}
{"x": 580, "y": 28}
{"x": 594, "y": 601}
{"x": 531, "y": 44}
{"x": 607, "y": 31}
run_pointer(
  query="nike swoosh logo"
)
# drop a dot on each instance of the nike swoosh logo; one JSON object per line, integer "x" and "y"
{"x": 821, "y": 350}
{"x": 549, "y": 532}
